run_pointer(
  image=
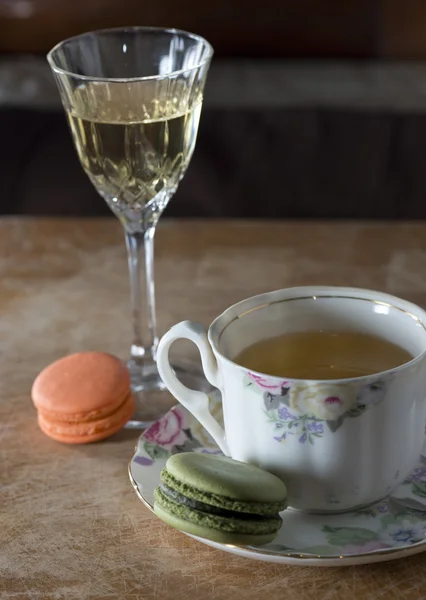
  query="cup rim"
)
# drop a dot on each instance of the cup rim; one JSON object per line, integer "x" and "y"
{"x": 65, "y": 72}
{"x": 242, "y": 308}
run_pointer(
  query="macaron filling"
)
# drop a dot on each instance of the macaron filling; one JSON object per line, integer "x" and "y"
{"x": 94, "y": 415}
{"x": 175, "y": 496}
{"x": 232, "y": 524}
{"x": 71, "y": 429}
{"x": 222, "y": 502}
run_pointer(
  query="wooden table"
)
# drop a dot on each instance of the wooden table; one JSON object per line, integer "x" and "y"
{"x": 71, "y": 526}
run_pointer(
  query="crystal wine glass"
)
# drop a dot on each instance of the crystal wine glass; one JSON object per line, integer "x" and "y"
{"x": 133, "y": 100}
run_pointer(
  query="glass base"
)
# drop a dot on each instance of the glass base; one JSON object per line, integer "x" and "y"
{"x": 153, "y": 400}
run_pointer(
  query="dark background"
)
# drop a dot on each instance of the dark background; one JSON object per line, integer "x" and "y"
{"x": 334, "y": 125}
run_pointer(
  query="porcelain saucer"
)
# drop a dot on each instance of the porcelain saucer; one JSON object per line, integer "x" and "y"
{"x": 388, "y": 530}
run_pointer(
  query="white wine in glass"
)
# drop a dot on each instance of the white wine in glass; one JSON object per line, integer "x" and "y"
{"x": 133, "y": 152}
{"x": 133, "y": 100}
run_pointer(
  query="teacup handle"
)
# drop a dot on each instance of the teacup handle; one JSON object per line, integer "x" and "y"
{"x": 195, "y": 401}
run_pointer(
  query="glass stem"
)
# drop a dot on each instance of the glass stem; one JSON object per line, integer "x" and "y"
{"x": 140, "y": 252}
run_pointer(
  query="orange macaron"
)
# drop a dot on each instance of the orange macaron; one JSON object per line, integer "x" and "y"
{"x": 83, "y": 397}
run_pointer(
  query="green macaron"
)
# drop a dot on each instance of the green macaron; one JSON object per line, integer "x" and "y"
{"x": 220, "y": 499}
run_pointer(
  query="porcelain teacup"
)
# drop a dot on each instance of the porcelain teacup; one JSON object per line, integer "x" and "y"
{"x": 337, "y": 444}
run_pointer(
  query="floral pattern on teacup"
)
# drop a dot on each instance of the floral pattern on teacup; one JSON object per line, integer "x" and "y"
{"x": 270, "y": 384}
{"x": 306, "y": 411}
{"x": 325, "y": 402}
{"x": 304, "y": 427}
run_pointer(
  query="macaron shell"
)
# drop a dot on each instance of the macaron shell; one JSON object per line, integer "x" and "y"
{"x": 215, "y": 535}
{"x": 226, "y": 477}
{"x": 81, "y": 387}
{"x": 86, "y": 432}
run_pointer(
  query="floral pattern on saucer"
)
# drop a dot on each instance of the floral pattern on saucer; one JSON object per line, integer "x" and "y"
{"x": 170, "y": 435}
{"x": 308, "y": 411}
{"x": 396, "y": 523}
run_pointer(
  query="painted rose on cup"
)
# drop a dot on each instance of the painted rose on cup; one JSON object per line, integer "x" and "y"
{"x": 273, "y": 385}
{"x": 325, "y": 402}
